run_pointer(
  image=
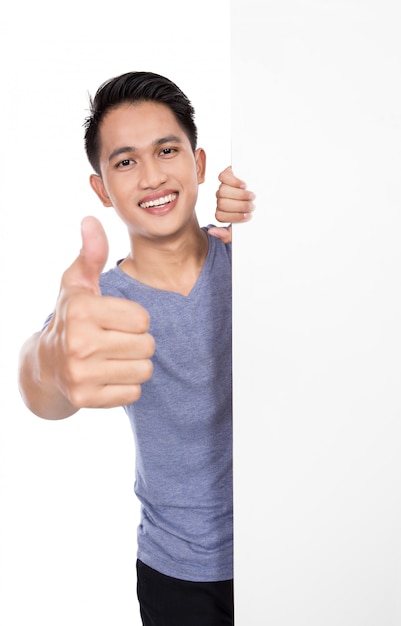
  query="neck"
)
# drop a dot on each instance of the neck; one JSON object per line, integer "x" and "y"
{"x": 172, "y": 263}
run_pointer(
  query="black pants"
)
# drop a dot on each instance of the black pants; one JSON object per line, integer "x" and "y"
{"x": 166, "y": 601}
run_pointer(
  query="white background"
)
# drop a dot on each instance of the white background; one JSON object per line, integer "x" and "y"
{"x": 68, "y": 513}
{"x": 317, "y": 311}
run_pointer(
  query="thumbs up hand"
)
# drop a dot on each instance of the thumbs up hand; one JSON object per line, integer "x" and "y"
{"x": 96, "y": 350}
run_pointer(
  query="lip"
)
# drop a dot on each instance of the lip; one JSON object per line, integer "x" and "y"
{"x": 159, "y": 209}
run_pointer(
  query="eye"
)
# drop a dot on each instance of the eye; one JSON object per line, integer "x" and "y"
{"x": 168, "y": 151}
{"x": 124, "y": 163}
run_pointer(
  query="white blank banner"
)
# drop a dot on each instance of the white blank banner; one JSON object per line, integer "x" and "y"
{"x": 316, "y": 109}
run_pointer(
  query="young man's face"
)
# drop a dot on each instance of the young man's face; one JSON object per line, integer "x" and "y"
{"x": 149, "y": 172}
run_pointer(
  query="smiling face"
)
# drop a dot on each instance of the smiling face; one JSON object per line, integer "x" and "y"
{"x": 149, "y": 172}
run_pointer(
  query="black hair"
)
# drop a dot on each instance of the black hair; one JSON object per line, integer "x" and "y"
{"x": 135, "y": 87}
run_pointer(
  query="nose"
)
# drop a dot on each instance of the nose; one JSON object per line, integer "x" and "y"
{"x": 151, "y": 174}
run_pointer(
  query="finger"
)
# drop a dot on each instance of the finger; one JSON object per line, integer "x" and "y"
{"x": 108, "y": 313}
{"x": 107, "y": 344}
{"x": 227, "y": 177}
{"x": 108, "y": 372}
{"x": 127, "y": 346}
{"x": 106, "y": 396}
{"x": 127, "y": 372}
{"x": 113, "y": 383}
{"x": 233, "y": 218}
{"x": 85, "y": 271}
{"x": 234, "y": 193}
{"x": 118, "y": 395}
{"x": 229, "y": 206}
{"x": 224, "y": 233}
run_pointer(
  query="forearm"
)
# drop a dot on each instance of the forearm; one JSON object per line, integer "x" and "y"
{"x": 37, "y": 383}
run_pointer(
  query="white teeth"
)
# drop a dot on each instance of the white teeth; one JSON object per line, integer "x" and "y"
{"x": 158, "y": 201}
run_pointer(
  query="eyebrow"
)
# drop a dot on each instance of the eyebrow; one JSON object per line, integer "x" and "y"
{"x": 157, "y": 142}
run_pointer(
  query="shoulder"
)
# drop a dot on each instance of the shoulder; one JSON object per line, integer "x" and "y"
{"x": 216, "y": 246}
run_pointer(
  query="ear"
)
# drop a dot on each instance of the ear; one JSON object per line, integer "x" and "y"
{"x": 200, "y": 158}
{"x": 98, "y": 187}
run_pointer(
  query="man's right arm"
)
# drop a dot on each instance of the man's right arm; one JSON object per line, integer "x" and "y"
{"x": 96, "y": 351}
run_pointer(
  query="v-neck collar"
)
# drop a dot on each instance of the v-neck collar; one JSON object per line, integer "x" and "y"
{"x": 196, "y": 286}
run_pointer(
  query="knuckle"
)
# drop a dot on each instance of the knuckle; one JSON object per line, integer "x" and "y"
{"x": 150, "y": 345}
{"x": 148, "y": 369}
{"x": 135, "y": 393}
{"x": 74, "y": 377}
{"x": 76, "y": 344}
{"x": 78, "y": 307}
{"x": 77, "y": 396}
{"x": 70, "y": 341}
{"x": 143, "y": 371}
{"x": 142, "y": 319}
{"x": 146, "y": 320}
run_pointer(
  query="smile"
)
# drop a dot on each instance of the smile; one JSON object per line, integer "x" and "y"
{"x": 158, "y": 201}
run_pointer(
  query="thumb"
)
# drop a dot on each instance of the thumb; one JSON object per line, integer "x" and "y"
{"x": 87, "y": 267}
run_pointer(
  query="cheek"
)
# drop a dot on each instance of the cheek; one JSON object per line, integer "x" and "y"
{"x": 118, "y": 191}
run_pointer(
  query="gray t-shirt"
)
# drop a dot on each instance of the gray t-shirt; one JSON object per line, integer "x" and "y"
{"x": 182, "y": 423}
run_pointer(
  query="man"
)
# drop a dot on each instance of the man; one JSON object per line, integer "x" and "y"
{"x": 153, "y": 335}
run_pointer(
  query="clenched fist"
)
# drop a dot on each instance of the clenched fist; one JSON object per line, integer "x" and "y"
{"x": 96, "y": 349}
